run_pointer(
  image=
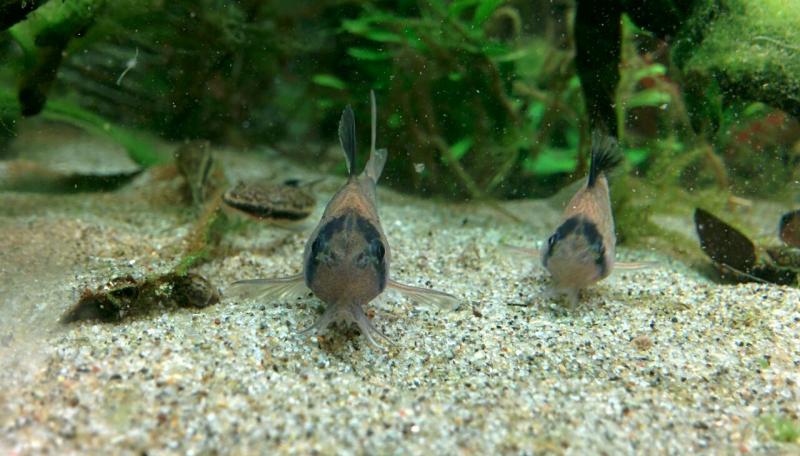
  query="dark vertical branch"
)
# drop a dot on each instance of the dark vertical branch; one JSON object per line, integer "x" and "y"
{"x": 13, "y": 11}
{"x": 36, "y": 82}
{"x": 597, "y": 46}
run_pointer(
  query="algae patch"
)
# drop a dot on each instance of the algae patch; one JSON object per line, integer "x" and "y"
{"x": 782, "y": 429}
{"x": 749, "y": 48}
{"x": 125, "y": 296}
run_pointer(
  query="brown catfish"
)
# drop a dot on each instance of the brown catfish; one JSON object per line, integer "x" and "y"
{"x": 581, "y": 251}
{"x": 346, "y": 259}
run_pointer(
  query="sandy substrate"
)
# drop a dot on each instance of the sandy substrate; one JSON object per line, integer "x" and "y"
{"x": 655, "y": 361}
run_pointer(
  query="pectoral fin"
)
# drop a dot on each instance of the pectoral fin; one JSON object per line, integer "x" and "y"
{"x": 634, "y": 265}
{"x": 280, "y": 289}
{"x": 520, "y": 251}
{"x": 435, "y": 298}
{"x": 349, "y": 313}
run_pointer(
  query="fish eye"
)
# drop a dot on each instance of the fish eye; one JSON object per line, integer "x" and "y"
{"x": 321, "y": 251}
{"x": 362, "y": 260}
{"x": 374, "y": 253}
{"x": 317, "y": 245}
{"x": 376, "y": 249}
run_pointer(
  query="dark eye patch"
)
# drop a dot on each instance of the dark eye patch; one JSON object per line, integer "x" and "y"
{"x": 569, "y": 225}
{"x": 595, "y": 241}
{"x": 321, "y": 251}
{"x": 592, "y": 235}
{"x": 583, "y": 227}
{"x": 375, "y": 248}
{"x": 372, "y": 254}
{"x": 566, "y": 228}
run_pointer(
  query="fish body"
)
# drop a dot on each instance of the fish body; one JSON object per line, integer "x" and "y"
{"x": 285, "y": 205}
{"x": 346, "y": 258}
{"x": 581, "y": 251}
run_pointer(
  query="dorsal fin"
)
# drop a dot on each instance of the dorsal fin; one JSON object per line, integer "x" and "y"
{"x": 374, "y": 120}
{"x": 375, "y": 164}
{"x": 347, "y": 138}
{"x": 605, "y": 156}
{"x": 377, "y": 158}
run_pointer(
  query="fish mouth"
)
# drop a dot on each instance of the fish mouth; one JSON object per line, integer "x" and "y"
{"x": 347, "y": 313}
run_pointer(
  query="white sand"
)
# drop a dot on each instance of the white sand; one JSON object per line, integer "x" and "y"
{"x": 656, "y": 361}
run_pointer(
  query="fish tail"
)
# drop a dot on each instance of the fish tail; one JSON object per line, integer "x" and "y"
{"x": 605, "y": 155}
{"x": 347, "y": 138}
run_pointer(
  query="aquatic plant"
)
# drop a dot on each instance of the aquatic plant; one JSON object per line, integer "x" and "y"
{"x": 486, "y": 98}
{"x": 141, "y": 146}
{"x": 782, "y": 429}
{"x": 490, "y": 113}
{"x": 741, "y": 50}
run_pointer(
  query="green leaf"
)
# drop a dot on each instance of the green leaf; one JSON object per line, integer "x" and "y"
{"x": 413, "y": 39}
{"x": 459, "y": 149}
{"x": 395, "y": 120}
{"x": 636, "y": 155}
{"x": 484, "y": 11}
{"x": 513, "y": 55}
{"x": 648, "y": 97}
{"x": 535, "y": 113}
{"x": 142, "y": 147}
{"x": 572, "y": 137}
{"x": 438, "y": 6}
{"x": 368, "y": 54}
{"x": 384, "y": 36}
{"x": 358, "y": 26}
{"x": 366, "y": 22}
{"x": 551, "y": 161}
{"x": 494, "y": 49}
{"x": 756, "y": 109}
{"x": 456, "y": 7}
{"x": 649, "y": 71}
{"x": 329, "y": 80}
{"x": 455, "y": 76}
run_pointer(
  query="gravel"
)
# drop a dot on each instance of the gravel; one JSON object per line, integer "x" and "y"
{"x": 653, "y": 361}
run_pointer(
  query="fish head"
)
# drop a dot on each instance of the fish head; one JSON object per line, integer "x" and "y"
{"x": 347, "y": 259}
{"x": 576, "y": 254}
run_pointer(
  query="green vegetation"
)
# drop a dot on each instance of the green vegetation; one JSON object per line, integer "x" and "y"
{"x": 141, "y": 147}
{"x": 782, "y": 429}
{"x": 749, "y": 49}
{"x": 477, "y": 99}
